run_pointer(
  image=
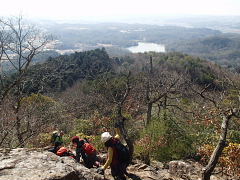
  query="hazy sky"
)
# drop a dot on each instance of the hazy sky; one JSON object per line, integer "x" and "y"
{"x": 80, "y": 9}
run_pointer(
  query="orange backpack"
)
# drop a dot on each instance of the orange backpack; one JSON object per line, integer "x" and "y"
{"x": 62, "y": 151}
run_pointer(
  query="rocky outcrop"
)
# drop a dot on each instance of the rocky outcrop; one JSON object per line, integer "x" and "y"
{"x": 25, "y": 164}
{"x": 36, "y": 164}
{"x": 186, "y": 170}
{"x": 174, "y": 170}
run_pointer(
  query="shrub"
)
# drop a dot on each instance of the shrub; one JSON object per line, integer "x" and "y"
{"x": 164, "y": 140}
{"x": 229, "y": 161}
{"x": 42, "y": 140}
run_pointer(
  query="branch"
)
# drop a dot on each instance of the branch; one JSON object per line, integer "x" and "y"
{"x": 127, "y": 89}
{"x": 205, "y": 97}
{"x": 176, "y": 106}
{"x": 165, "y": 93}
{"x": 4, "y": 137}
{"x": 8, "y": 58}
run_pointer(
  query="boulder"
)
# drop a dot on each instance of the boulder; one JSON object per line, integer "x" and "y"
{"x": 29, "y": 164}
{"x": 189, "y": 170}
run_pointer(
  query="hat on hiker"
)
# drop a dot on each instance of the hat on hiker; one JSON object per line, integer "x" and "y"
{"x": 55, "y": 133}
{"x": 75, "y": 139}
{"x": 105, "y": 137}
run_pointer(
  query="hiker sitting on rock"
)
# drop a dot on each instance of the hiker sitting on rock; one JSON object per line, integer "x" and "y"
{"x": 56, "y": 141}
{"x": 118, "y": 155}
{"x": 85, "y": 150}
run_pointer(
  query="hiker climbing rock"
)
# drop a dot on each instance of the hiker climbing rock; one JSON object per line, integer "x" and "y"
{"x": 85, "y": 150}
{"x": 56, "y": 141}
{"x": 118, "y": 155}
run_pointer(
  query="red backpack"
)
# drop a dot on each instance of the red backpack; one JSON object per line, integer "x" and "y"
{"x": 88, "y": 148}
{"x": 62, "y": 151}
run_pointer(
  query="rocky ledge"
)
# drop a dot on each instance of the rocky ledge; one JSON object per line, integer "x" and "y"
{"x": 26, "y": 164}
{"x": 37, "y": 164}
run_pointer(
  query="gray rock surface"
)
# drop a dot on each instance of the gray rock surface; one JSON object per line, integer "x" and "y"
{"x": 26, "y": 164}
{"x": 37, "y": 164}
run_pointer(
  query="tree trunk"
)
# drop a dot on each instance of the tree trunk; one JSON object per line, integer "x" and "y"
{"x": 207, "y": 171}
{"x": 18, "y": 119}
{"x": 129, "y": 143}
{"x": 120, "y": 120}
{"x": 149, "y": 103}
{"x": 149, "y": 112}
{"x": 19, "y": 134}
{"x": 151, "y": 66}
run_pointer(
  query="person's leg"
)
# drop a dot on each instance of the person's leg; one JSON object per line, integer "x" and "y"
{"x": 122, "y": 171}
{"x": 118, "y": 172}
{"x": 55, "y": 149}
{"x": 96, "y": 160}
{"x": 51, "y": 150}
{"x": 86, "y": 163}
{"x": 57, "y": 146}
{"x": 120, "y": 177}
{"x": 89, "y": 161}
{"x": 125, "y": 168}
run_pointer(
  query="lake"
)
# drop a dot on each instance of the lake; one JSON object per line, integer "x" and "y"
{"x": 145, "y": 47}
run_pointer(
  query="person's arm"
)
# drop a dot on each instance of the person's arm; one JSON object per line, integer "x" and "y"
{"x": 109, "y": 159}
{"x": 78, "y": 154}
{"x": 84, "y": 157}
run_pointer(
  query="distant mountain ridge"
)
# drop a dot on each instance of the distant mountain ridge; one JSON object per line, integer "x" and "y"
{"x": 59, "y": 73}
{"x": 223, "y": 49}
{"x": 122, "y": 35}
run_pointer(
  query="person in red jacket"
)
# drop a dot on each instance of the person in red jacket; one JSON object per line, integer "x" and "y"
{"x": 85, "y": 150}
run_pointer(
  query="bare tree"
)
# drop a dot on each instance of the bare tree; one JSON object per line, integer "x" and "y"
{"x": 157, "y": 86}
{"x": 120, "y": 117}
{"x": 226, "y": 112}
{"x": 19, "y": 43}
{"x": 115, "y": 89}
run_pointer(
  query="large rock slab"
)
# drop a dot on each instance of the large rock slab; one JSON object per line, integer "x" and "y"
{"x": 37, "y": 164}
{"x": 28, "y": 164}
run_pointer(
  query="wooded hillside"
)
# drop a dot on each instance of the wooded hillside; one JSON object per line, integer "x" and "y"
{"x": 170, "y": 105}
